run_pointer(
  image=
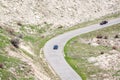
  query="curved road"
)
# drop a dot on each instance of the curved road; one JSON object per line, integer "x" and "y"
{"x": 56, "y": 57}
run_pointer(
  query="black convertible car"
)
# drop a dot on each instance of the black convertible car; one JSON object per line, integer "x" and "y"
{"x": 103, "y": 22}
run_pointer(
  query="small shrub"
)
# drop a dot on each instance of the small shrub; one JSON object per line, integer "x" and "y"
{"x": 98, "y": 41}
{"x": 106, "y": 37}
{"x": 20, "y": 24}
{"x": 15, "y": 42}
{"x": 1, "y": 27}
{"x": 102, "y": 52}
{"x": 114, "y": 47}
{"x": 42, "y": 36}
{"x": 99, "y": 36}
{"x": 45, "y": 22}
{"x": 116, "y": 36}
{"x": 60, "y": 27}
{"x": 89, "y": 43}
{"x": 1, "y": 65}
{"x": 75, "y": 41}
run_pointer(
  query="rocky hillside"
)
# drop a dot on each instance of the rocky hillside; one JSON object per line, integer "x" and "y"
{"x": 57, "y": 12}
{"x": 26, "y": 25}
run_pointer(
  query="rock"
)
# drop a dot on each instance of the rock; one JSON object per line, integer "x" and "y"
{"x": 114, "y": 52}
{"x": 111, "y": 43}
{"x": 94, "y": 44}
{"x": 12, "y": 69}
{"x": 96, "y": 64}
{"x": 94, "y": 39}
{"x": 92, "y": 59}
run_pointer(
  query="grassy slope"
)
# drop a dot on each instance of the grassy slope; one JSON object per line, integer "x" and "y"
{"x": 10, "y": 62}
{"x": 77, "y": 52}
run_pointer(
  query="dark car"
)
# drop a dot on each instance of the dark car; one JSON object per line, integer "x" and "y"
{"x": 103, "y": 22}
{"x": 55, "y": 47}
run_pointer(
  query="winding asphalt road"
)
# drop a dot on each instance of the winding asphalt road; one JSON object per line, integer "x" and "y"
{"x": 56, "y": 57}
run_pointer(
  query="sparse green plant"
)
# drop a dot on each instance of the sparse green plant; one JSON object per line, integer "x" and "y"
{"x": 60, "y": 27}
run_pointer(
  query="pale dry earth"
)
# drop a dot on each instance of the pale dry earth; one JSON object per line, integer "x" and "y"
{"x": 56, "y": 12}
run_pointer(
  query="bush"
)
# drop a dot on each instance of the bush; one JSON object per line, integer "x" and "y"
{"x": 1, "y": 27}
{"x": 106, "y": 37}
{"x": 20, "y": 24}
{"x": 60, "y": 27}
{"x": 98, "y": 41}
{"x": 45, "y": 22}
{"x": 102, "y": 52}
{"x": 116, "y": 36}
{"x": 15, "y": 42}
{"x": 99, "y": 36}
{"x": 1, "y": 65}
{"x": 114, "y": 47}
{"x": 42, "y": 36}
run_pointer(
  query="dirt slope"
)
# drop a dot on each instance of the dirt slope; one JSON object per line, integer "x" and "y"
{"x": 63, "y": 12}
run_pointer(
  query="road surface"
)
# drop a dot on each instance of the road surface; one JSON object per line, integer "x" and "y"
{"x": 56, "y": 57}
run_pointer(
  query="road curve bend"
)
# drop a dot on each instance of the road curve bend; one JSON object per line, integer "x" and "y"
{"x": 56, "y": 57}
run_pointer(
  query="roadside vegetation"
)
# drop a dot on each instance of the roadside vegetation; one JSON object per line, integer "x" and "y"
{"x": 88, "y": 54}
{"x": 11, "y": 68}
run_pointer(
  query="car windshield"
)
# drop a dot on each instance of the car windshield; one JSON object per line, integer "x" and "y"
{"x": 55, "y": 47}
